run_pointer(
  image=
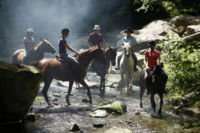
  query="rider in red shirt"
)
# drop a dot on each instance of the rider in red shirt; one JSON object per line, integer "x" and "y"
{"x": 151, "y": 57}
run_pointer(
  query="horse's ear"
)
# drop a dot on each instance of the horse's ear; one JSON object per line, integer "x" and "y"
{"x": 161, "y": 64}
{"x": 109, "y": 47}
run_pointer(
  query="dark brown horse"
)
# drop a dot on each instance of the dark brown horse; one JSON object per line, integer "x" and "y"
{"x": 155, "y": 84}
{"x": 54, "y": 69}
{"x": 102, "y": 69}
{"x": 35, "y": 55}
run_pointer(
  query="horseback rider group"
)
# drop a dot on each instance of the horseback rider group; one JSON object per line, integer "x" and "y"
{"x": 96, "y": 39}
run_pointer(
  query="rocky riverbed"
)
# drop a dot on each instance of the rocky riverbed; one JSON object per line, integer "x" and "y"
{"x": 62, "y": 117}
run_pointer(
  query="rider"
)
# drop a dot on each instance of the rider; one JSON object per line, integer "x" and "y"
{"x": 96, "y": 38}
{"x": 29, "y": 41}
{"x": 62, "y": 44}
{"x": 151, "y": 57}
{"x": 133, "y": 43}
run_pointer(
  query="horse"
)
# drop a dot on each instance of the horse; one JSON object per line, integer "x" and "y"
{"x": 155, "y": 84}
{"x": 35, "y": 55}
{"x": 102, "y": 69}
{"x": 126, "y": 67}
{"x": 54, "y": 69}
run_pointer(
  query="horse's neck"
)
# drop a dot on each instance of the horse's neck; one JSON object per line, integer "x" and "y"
{"x": 84, "y": 60}
{"x": 108, "y": 59}
{"x": 36, "y": 55}
{"x": 127, "y": 60}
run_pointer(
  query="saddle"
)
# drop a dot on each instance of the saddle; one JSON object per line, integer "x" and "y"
{"x": 59, "y": 58}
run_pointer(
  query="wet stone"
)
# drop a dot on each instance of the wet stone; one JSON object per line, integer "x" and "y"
{"x": 75, "y": 128}
{"x": 98, "y": 125}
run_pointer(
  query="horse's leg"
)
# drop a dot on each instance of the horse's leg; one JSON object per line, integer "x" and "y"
{"x": 121, "y": 82}
{"x": 103, "y": 84}
{"x": 45, "y": 90}
{"x": 88, "y": 89}
{"x": 69, "y": 92}
{"x": 141, "y": 95}
{"x": 153, "y": 104}
{"x": 128, "y": 84}
{"x": 161, "y": 102}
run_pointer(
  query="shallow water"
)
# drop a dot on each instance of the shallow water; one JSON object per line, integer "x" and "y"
{"x": 61, "y": 118}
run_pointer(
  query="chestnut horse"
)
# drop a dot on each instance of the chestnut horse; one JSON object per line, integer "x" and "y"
{"x": 60, "y": 70}
{"x": 102, "y": 69}
{"x": 35, "y": 55}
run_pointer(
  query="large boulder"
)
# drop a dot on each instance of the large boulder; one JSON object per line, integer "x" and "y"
{"x": 19, "y": 85}
{"x": 192, "y": 29}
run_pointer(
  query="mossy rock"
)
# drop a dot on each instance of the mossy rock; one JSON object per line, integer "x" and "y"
{"x": 117, "y": 107}
{"x": 19, "y": 85}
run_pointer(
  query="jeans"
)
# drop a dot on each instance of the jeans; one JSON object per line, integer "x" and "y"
{"x": 69, "y": 59}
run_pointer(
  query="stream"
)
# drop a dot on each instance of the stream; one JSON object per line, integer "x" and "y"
{"x": 61, "y": 118}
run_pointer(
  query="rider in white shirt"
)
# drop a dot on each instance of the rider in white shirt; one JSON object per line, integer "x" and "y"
{"x": 29, "y": 41}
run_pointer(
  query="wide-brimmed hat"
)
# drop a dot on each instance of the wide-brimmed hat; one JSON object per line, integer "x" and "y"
{"x": 128, "y": 30}
{"x": 152, "y": 43}
{"x": 29, "y": 30}
{"x": 96, "y": 27}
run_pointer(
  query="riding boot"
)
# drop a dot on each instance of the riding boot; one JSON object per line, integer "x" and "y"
{"x": 135, "y": 62}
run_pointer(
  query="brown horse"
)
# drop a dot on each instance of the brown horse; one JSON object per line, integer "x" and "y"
{"x": 54, "y": 69}
{"x": 35, "y": 55}
{"x": 102, "y": 69}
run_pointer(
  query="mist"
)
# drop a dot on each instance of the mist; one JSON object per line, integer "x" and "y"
{"x": 48, "y": 17}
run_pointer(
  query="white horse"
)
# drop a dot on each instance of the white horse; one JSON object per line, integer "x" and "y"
{"x": 126, "y": 67}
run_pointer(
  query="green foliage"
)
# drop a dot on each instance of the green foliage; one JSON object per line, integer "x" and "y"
{"x": 174, "y": 7}
{"x": 182, "y": 64}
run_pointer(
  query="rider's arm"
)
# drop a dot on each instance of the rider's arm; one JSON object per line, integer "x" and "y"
{"x": 70, "y": 48}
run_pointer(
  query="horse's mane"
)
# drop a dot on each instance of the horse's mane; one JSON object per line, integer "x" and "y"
{"x": 40, "y": 43}
{"x": 86, "y": 51}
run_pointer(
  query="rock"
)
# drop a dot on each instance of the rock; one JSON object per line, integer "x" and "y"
{"x": 191, "y": 29}
{"x": 193, "y": 37}
{"x": 197, "y": 105}
{"x": 117, "y": 107}
{"x": 31, "y": 117}
{"x": 56, "y": 94}
{"x": 98, "y": 125}
{"x": 99, "y": 113}
{"x": 75, "y": 128}
{"x": 118, "y": 130}
{"x": 19, "y": 85}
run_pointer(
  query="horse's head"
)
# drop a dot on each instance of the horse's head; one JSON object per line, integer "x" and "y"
{"x": 127, "y": 51}
{"x": 46, "y": 46}
{"x": 112, "y": 53}
{"x": 159, "y": 77}
{"x": 98, "y": 53}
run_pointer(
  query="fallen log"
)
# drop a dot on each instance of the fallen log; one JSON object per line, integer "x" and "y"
{"x": 193, "y": 37}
